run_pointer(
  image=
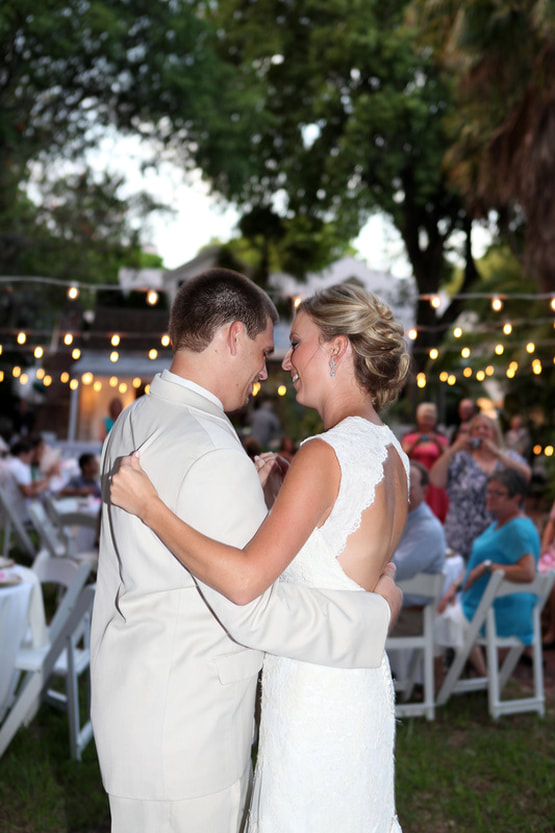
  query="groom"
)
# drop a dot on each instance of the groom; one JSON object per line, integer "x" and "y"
{"x": 173, "y": 685}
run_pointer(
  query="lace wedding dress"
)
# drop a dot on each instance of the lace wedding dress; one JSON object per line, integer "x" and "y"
{"x": 325, "y": 760}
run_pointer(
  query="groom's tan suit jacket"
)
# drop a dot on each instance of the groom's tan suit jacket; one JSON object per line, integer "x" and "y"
{"x": 173, "y": 685}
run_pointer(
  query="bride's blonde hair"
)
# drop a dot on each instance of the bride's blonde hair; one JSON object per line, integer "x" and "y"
{"x": 381, "y": 360}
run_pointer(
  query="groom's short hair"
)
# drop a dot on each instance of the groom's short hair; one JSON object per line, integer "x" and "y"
{"x": 214, "y": 298}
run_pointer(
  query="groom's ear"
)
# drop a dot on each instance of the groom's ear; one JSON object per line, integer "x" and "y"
{"x": 235, "y": 335}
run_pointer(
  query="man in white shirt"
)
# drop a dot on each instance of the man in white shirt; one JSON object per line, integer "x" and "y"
{"x": 17, "y": 478}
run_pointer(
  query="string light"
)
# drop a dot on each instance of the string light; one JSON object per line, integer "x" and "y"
{"x": 16, "y": 372}
{"x": 465, "y": 352}
{"x": 507, "y": 329}
{"x": 457, "y": 332}
{"x": 421, "y": 380}
{"x": 435, "y": 301}
{"x": 282, "y": 390}
{"x": 115, "y": 340}
{"x": 87, "y": 378}
{"x": 21, "y": 338}
{"x": 152, "y": 297}
{"x": 76, "y": 353}
{"x": 412, "y": 333}
{"x": 499, "y": 349}
{"x": 434, "y": 353}
{"x": 113, "y": 381}
{"x": 68, "y": 339}
{"x": 114, "y": 356}
{"x": 165, "y": 340}
{"x": 38, "y": 352}
{"x": 297, "y": 301}
{"x": 64, "y": 377}
{"x": 73, "y": 293}
{"x": 496, "y": 304}
{"x": 530, "y": 347}
{"x": 47, "y": 381}
{"x": 467, "y": 372}
{"x": 152, "y": 354}
{"x": 41, "y": 373}
{"x": 74, "y": 384}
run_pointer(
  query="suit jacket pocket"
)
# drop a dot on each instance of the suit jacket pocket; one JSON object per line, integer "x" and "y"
{"x": 232, "y": 668}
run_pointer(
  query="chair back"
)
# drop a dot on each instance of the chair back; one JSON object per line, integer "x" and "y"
{"x": 70, "y": 575}
{"x": 13, "y": 522}
{"x": 418, "y": 650}
{"x": 49, "y": 535}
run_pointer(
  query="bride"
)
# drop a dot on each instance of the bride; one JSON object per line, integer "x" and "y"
{"x": 325, "y": 757}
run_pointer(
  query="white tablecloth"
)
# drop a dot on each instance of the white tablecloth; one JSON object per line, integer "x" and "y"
{"x": 21, "y": 617}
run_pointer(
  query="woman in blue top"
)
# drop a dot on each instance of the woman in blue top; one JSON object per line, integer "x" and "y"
{"x": 511, "y": 543}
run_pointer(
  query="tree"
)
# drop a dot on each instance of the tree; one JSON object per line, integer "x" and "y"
{"x": 502, "y": 159}
{"x": 70, "y": 69}
{"x": 356, "y": 122}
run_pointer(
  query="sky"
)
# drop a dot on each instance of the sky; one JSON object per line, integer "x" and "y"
{"x": 198, "y": 218}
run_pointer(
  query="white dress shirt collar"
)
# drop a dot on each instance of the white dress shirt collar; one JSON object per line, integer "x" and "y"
{"x": 187, "y": 383}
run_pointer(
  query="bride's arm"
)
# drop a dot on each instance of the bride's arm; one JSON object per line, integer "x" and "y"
{"x": 306, "y": 497}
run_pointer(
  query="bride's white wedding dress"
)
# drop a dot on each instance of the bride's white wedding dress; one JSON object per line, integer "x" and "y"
{"x": 325, "y": 757}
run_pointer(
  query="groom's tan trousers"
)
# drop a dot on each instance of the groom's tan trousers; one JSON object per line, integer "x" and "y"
{"x": 222, "y": 812}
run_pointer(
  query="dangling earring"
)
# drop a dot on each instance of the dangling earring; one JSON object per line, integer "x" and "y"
{"x": 332, "y": 367}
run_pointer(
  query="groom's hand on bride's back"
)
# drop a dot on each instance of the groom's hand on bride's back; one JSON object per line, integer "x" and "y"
{"x": 391, "y": 592}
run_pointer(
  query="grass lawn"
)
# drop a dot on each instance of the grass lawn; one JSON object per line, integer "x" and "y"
{"x": 462, "y": 772}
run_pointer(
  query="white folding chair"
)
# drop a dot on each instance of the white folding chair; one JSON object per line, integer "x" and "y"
{"x": 67, "y": 655}
{"x": 498, "y": 675}
{"x": 421, "y": 646}
{"x": 70, "y": 524}
{"x": 49, "y": 534}
{"x": 14, "y": 525}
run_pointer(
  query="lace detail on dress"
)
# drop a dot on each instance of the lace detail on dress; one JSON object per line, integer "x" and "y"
{"x": 361, "y": 448}
{"x": 325, "y": 755}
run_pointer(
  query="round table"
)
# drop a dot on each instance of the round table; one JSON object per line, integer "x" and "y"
{"x": 21, "y": 617}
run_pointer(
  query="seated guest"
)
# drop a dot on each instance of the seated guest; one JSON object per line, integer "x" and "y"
{"x": 87, "y": 482}
{"x": 511, "y": 543}
{"x": 17, "y": 478}
{"x": 420, "y": 550}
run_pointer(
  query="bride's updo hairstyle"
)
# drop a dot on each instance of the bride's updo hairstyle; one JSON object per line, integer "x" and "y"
{"x": 380, "y": 356}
